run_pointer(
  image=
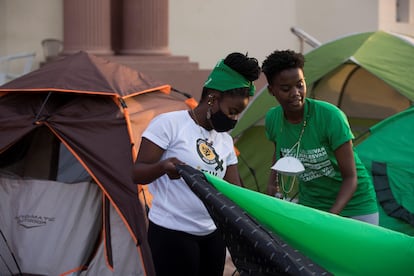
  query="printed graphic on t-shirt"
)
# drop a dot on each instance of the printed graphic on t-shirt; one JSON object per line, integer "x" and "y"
{"x": 315, "y": 161}
{"x": 209, "y": 155}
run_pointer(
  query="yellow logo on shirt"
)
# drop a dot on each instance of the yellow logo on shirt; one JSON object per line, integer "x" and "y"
{"x": 208, "y": 154}
{"x": 205, "y": 151}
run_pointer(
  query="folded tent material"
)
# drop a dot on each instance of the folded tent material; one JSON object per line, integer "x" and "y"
{"x": 254, "y": 249}
{"x": 342, "y": 246}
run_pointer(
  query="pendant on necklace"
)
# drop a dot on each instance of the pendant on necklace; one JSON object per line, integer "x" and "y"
{"x": 209, "y": 143}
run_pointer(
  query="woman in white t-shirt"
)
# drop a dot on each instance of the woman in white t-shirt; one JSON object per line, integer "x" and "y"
{"x": 182, "y": 236}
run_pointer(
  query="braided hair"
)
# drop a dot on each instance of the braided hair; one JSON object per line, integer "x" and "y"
{"x": 246, "y": 66}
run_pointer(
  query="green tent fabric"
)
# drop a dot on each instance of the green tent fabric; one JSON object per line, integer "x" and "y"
{"x": 368, "y": 75}
{"x": 342, "y": 246}
{"x": 390, "y": 143}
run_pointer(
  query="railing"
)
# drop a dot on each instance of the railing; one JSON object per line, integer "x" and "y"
{"x": 305, "y": 38}
{"x": 6, "y": 73}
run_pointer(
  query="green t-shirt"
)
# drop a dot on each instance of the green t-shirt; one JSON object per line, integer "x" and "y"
{"x": 326, "y": 129}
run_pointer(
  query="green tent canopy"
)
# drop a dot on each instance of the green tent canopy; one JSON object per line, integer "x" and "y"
{"x": 368, "y": 75}
{"x": 388, "y": 153}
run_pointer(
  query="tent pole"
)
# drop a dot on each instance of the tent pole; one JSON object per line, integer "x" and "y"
{"x": 252, "y": 171}
{"x": 42, "y": 107}
{"x": 11, "y": 252}
{"x": 341, "y": 94}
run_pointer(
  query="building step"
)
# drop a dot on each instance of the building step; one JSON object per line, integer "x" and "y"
{"x": 178, "y": 71}
{"x": 155, "y": 63}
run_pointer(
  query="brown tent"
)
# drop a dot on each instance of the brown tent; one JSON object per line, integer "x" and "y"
{"x": 75, "y": 123}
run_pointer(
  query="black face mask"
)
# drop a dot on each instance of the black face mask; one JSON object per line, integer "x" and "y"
{"x": 222, "y": 123}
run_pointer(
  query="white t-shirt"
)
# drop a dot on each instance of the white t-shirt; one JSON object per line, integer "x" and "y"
{"x": 174, "y": 205}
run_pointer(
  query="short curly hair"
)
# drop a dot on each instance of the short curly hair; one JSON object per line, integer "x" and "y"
{"x": 281, "y": 60}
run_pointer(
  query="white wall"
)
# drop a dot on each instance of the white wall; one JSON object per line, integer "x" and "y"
{"x": 388, "y": 14}
{"x": 327, "y": 20}
{"x": 24, "y": 24}
{"x": 206, "y": 30}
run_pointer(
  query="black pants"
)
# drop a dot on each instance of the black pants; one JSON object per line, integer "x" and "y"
{"x": 182, "y": 254}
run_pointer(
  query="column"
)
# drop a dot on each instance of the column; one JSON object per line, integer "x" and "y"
{"x": 87, "y": 26}
{"x": 145, "y": 27}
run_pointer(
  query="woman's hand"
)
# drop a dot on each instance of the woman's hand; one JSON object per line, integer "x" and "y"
{"x": 169, "y": 167}
{"x": 149, "y": 165}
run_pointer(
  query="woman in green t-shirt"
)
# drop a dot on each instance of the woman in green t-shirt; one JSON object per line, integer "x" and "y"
{"x": 318, "y": 134}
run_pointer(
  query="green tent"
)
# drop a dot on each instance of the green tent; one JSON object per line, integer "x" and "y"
{"x": 368, "y": 75}
{"x": 388, "y": 153}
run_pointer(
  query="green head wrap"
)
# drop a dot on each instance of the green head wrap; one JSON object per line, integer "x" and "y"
{"x": 224, "y": 78}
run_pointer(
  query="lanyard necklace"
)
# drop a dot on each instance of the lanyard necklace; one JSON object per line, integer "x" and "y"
{"x": 209, "y": 140}
{"x": 287, "y": 190}
{"x": 297, "y": 144}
